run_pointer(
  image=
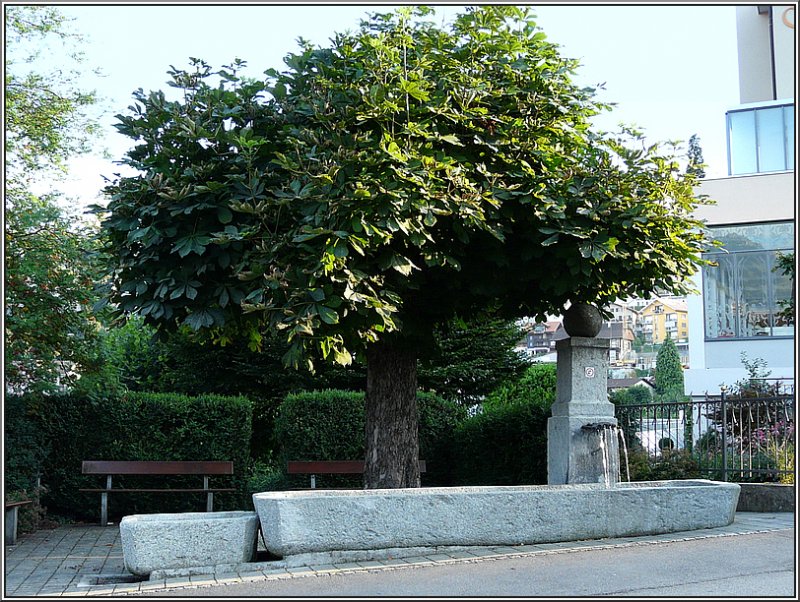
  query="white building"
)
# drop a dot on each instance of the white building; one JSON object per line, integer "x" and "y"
{"x": 753, "y": 216}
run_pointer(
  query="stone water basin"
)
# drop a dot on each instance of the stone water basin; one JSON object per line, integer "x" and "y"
{"x": 188, "y": 539}
{"x": 300, "y": 522}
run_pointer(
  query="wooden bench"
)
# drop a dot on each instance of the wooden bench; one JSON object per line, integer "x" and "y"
{"x": 12, "y": 520}
{"x": 150, "y": 467}
{"x": 315, "y": 467}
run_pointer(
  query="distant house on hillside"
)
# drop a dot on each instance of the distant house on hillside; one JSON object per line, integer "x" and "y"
{"x": 665, "y": 317}
{"x": 620, "y": 336}
{"x": 541, "y": 338}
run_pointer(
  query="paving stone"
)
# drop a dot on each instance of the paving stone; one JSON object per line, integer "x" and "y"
{"x": 370, "y": 564}
{"x": 252, "y": 576}
{"x": 202, "y": 580}
{"x": 394, "y": 562}
{"x": 439, "y": 557}
{"x": 178, "y": 582}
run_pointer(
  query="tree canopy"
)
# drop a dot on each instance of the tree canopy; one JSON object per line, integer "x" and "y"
{"x": 49, "y": 280}
{"x": 378, "y": 187}
{"x": 404, "y": 174}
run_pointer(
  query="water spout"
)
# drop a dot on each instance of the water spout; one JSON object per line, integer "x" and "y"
{"x": 598, "y": 426}
{"x": 625, "y": 449}
{"x": 607, "y": 463}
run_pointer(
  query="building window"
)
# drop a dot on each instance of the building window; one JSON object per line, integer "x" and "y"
{"x": 741, "y": 293}
{"x": 761, "y": 139}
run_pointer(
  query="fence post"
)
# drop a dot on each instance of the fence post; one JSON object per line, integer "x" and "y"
{"x": 724, "y": 436}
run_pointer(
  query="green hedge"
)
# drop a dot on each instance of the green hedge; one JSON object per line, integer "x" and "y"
{"x": 536, "y": 385}
{"x": 506, "y": 443}
{"x": 26, "y": 446}
{"x": 329, "y": 425}
{"x": 143, "y": 426}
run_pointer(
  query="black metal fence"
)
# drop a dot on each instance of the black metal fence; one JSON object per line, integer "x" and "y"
{"x": 730, "y": 439}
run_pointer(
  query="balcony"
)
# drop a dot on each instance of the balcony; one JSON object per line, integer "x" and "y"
{"x": 761, "y": 138}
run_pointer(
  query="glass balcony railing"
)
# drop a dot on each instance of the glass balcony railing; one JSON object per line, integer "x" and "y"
{"x": 761, "y": 138}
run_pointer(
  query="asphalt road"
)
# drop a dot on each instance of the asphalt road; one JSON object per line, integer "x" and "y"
{"x": 753, "y": 566}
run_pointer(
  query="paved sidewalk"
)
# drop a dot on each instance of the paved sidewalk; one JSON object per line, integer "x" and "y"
{"x": 86, "y": 560}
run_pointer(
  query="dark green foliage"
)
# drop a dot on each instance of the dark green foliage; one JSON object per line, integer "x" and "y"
{"x": 669, "y": 373}
{"x": 504, "y": 445}
{"x": 671, "y": 464}
{"x": 329, "y": 425}
{"x": 26, "y": 447}
{"x": 438, "y": 421}
{"x": 468, "y": 360}
{"x": 471, "y": 358}
{"x": 629, "y": 418}
{"x": 378, "y": 187}
{"x": 537, "y": 385}
{"x": 143, "y": 426}
{"x": 430, "y": 172}
{"x": 695, "y": 156}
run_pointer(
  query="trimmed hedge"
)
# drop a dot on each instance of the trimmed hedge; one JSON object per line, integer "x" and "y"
{"x": 25, "y": 445}
{"x": 143, "y": 426}
{"x": 26, "y": 448}
{"x": 329, "y": 425}
{"x": 506, "y": 444}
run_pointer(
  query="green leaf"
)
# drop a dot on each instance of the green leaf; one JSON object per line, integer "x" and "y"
{"x": 199, "y": 319}
{"x": 327, "y": 315}
{"x": 224, "y": 215}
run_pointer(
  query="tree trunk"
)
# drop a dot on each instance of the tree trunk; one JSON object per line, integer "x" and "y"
{"x": 392, "y": 444}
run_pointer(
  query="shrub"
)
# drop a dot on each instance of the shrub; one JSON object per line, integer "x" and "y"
{"x": 506, "y": 444}
{"x": 329, "y": 425}
{"x": 143, "y": 426}
{"x": 26, "y": 448}
{"x": 25, "y": 444}
{"x": 537, "y": 384}
{"x": 671, "y": 464}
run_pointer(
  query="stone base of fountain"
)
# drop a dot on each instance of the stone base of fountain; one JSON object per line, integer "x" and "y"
{"x": 303, "y": 522}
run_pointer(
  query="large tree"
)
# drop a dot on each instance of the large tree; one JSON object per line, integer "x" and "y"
{"x": 48, "y": 277}
{"x": 380, "y": 186}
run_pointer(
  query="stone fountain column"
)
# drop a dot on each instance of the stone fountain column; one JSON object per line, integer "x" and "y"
{"x": 582, "y": 444}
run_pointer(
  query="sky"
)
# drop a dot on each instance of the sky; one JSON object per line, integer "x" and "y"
{"x": 672, "y": 70}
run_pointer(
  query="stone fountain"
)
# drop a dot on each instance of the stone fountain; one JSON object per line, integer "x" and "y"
{"x": 583, "y": 499}
{"x": 582, "y": 442}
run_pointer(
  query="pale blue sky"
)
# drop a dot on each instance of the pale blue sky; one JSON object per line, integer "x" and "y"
{"x": 672, "y": 70}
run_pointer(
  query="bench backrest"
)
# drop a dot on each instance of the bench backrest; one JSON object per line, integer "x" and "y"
{"x": 153, "y": 467}
{"x": 331, "y": 467}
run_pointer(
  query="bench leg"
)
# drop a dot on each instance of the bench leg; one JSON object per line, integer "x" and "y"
{"x": 104, "y": 503}
{"x": 12, "y": 516}
{"x": 313, "y": 481}
{"x": 209, "y": 496}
